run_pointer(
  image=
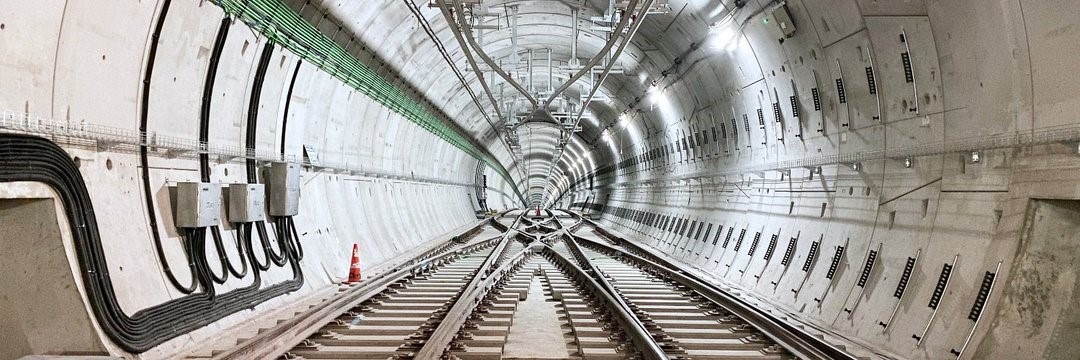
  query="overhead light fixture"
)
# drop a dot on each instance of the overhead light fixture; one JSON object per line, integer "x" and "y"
{"x": 722, "y": 39}
{"x": 856, "y": 166}
{"x": 976, "y": 157}
{"x": 723, "y": 32}
{"x": 908, "y": 162}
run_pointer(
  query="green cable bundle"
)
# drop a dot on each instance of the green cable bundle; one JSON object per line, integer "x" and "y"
{"x": 284, "y": 26}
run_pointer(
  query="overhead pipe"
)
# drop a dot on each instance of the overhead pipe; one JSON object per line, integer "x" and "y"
{"x": 573, "y": 35}
{"x": 550, "y": 85}
{"x": 607, "y": 69}
{"x": 513, "y": 35}
{"x": 479, "y": 74}
{"x": 600, "y": 55}
{"x": 467, "y": 34}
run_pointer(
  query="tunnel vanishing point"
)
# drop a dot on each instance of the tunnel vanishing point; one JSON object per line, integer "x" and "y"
{"x": 539, "y": 179}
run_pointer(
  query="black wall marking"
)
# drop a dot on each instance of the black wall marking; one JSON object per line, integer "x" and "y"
{"x": 738, "y": 243}
{"x": 753, "y": 244}
{"x": 980, "y": 299}
{"x": 835, "y": 262}
{"x": 909, "y": 75}
{"x": 811, "y": 256}
{"x": 870, "y": 80}
{"x": 772, "y": 247}
{"x": 902, "y": 285}
{"x": 939, "y": 290}
{"x": 789, "y": 252}
{"x": 869, "y": 266}
{"x": 817, "y": 99}
{"x": 840, "y": 91}
{"x": 794, "y": 106}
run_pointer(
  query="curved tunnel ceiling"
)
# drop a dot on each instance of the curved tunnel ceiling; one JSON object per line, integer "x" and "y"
{"x": 924, "y": 129}
{"x": 540, "y": 27}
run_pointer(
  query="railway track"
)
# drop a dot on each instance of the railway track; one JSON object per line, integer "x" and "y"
{"x": 686, "y": 324}
{"x": 538, "y": 290}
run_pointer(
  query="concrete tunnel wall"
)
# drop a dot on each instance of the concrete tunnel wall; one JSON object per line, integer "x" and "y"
{"x": 83, "y": 62}
{"x": 983, "y": 69}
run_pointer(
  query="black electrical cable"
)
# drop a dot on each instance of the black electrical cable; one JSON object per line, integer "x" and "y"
{"x": 250, "y": 141}
{"x": 253, "y": 110}
{"x": 197, "y": 238}
{"x": 288, "y": 102}
{"x": 221, "y": 256}
{"x": 34, "y": 159}
{"x": 297, "y": 248}
{"x": 204, "y": 138}
{"x": 270, "y": 254}
{"x": 207, "y": 97}
{"x": 275, "y": 258}
{"x": 239, "y": 252}
{"x": 243, "y": 235}
{"x": 251, "y": 247}
{"x": 152, "y": 215}
{"x": 268, "y": 250}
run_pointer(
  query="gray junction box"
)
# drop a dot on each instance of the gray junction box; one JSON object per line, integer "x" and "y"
{"x": 283, "y": 189}
{"x": 197, "y": 204}
{"x": 779, "y": 22}
{"x": 247, "y": 203}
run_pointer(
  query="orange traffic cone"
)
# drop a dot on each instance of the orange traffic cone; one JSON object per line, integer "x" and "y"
{"x": 354, "y": 266}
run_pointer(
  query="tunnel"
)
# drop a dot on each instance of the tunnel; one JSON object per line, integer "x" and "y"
{"x": 539, "y": 179}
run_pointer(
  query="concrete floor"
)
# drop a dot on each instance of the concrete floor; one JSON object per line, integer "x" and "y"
{"x": 536, "y": 332}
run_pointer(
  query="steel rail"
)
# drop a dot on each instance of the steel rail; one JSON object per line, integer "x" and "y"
{"x": 797, "y": 341}
{"x": 480, "y": 286}
{"x": 285, "y": 335}
{"x": 627, "y": 321}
